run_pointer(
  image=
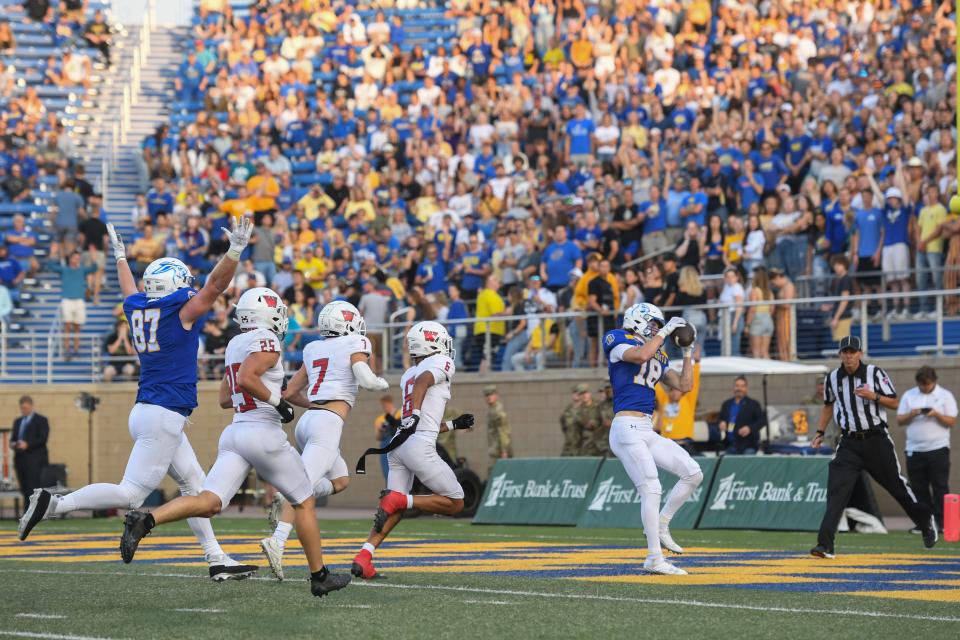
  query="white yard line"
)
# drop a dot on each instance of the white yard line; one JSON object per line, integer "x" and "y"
{"x": 41, "y": 616}
{"x": 47, "y": 636}
{"x": 856, "y": 613}
{"x": 200, "y": 610}
{"x": 497, "y": 602}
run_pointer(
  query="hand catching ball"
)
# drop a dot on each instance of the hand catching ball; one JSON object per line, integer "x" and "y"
{"x": 683, "y": 336}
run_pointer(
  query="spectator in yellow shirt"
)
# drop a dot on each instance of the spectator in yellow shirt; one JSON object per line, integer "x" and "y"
{"x": 489, "y": 305}
{"x": 312, "y": 266}
{"x": 263, "y": 189}
{"x": 675, "y": 412}
{"x": 580, "y": 292}
{"x": 313, "y": 200}
{"x": 238, "y": 206}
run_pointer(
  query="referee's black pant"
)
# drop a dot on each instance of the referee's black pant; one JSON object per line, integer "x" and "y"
{"x": 875, "y": 453}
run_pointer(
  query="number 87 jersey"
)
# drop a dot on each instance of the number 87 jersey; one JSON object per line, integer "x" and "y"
{"x": 633, "y": 384}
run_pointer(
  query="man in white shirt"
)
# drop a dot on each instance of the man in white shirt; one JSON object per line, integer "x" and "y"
{"x": 929, "y": 412}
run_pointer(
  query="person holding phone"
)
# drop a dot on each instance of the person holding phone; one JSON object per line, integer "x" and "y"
{"x": 929, "y": 412}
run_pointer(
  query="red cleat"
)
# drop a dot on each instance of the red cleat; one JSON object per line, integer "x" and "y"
{"x": 363, "y": 566}
{"x": 392, "y": 502}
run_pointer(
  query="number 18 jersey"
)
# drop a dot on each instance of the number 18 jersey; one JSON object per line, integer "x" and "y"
{"x": 633, "y": 384}
{"x": 329, "y": 372}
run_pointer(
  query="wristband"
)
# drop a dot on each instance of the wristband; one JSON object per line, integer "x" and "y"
{"x": 234, "y": 254}
{"x": 662, "y": 334}
{"x": 274, "y": 399}
{"x": 448, "y": 424}
{"x": 820, "y": 433}
{"x": 416, "y": 412}
{"x": 687, "y": 352}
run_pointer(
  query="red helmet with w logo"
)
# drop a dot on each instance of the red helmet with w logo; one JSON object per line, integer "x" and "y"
{"x": 429, "y": 338}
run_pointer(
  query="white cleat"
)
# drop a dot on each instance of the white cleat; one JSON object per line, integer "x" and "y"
{"x": 660, "y": 566}
{"x": 274, "y": 554}
{"x": 667, "y": 542}
{"x": 273, "y": 512}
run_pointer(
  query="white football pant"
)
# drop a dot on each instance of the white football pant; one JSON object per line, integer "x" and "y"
{"x": 418, "y": 457}
{"x": 318, "y": 437}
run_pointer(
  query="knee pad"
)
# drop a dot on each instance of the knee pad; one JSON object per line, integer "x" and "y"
{"x": 135, "y": 494}
{"x": 650, "y": 487}
{"x": 694, "y": 478}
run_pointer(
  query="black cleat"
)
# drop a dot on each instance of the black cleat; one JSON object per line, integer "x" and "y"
{"x": 930, "y": 534}
{"x": 36, "y": 511}
{"x": 330, "y": 582}
{"x": 221, "y": 572}
{"x": 821, "y": 551}
{"x": 136, "y": 526}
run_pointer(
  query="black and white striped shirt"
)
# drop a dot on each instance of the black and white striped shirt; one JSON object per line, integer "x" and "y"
{"x": 851, "y": 412}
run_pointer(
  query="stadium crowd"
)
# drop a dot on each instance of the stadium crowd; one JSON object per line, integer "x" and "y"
{"x": 439, "y": 157}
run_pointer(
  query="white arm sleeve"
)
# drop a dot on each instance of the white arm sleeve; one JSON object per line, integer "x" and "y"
{"x": 365, "y": 376}
{"x": 616, "y": 354}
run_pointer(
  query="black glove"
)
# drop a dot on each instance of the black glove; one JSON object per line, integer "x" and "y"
{"x": 285, "y": 409}
{"x": 410, "y": 422}
{"x": 392, "y": 421}
{"x": 463, "y": 422}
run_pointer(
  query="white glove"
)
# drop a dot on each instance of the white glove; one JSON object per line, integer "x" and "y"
{"x": 239, "y": 236}
{"x": 672, "y": 325}
{"x": 119, "y": 251}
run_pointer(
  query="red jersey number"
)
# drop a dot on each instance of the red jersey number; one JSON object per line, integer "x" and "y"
{"x": 321, "y": 368}
{"x": 248, "y": 402}
{"x": 407, "y": 407}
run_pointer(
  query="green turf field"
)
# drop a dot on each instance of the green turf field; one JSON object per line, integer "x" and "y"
{"x": 450, "y": 579}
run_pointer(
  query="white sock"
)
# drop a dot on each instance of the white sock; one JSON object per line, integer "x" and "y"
{"x": 203, "y": 531}
{"x": 368, "y": 547}
{"x": 323, "y": 488}
{"x": 282, "y": 533}
{"x": 409, "y": 501}
{"x": 679, "y": 494}
{"x": 95, "y": 496}
{"x": 650, "y": 514}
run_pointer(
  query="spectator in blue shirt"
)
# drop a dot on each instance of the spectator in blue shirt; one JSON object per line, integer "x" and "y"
{"x": 69, "y": 208}
{"x": 432, "y": 273}
{"x": 654, "y": 212}
{"x": 867, "y": 242}
{"x": 193, "y": 243}
{"x": 159, "y": 200}
{"x": 773, "y": 171}
{"x": 694, "y": 206}
{"x": 579, "y": 140}
{"x": 559, "y": 258}
{"x": 11, "y": 273}
{"x": 798, "y": 154}
{"x": 749, "y": 186}
{"x": 474, "y": 268}
{"x": 20, "y": 242}
{"x": 73, "y": 289}
{"x": 898, "y": 227}
{"x": 457, "y": 310}
{"x": 190, "y": 80}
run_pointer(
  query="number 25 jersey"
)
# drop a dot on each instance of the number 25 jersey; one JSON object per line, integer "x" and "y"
{"x": 633, "y": 384}
{"x": 246, "y": 407}
{"x": 168, "y": 352}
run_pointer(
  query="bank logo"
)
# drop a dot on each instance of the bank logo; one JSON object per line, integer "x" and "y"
{"x": 496, "y": 486}
{"x": 730, "y": 491}
{"x": 600, "y": 499}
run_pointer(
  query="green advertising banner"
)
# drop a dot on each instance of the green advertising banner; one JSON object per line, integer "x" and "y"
{"x": 615, "y": 502}
{"x": 537, "y": 491}
{"x": 767, "y": 492}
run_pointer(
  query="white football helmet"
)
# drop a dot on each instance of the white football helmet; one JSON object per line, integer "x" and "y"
{"x": 429, "y": 338}
{"x": 340, "y": 318}
{"x": 262, "y": 308}
{"x": 640, "y": 319}
{"x": 164, "y": 276}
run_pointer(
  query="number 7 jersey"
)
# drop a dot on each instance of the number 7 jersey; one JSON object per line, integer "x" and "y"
{"x": 168, "y": 352}
{"x": 329, "y": 372}
{"x": 633, "y": 384}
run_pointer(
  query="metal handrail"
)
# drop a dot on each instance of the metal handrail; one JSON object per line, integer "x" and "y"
{"x": 3, "y": 347}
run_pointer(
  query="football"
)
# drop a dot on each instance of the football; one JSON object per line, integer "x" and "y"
{"x": 683, "y": 336}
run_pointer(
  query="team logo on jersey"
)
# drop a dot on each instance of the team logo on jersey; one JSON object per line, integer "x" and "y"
{"x": 609, "y": 339}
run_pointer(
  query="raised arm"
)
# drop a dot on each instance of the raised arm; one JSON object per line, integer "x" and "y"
{"x": 128, "y": 285}
{"x": 647, "y": 350}
{"x": 219, "y": 279}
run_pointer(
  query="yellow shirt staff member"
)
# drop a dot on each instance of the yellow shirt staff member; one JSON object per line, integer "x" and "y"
{"x": 676, "y": 412}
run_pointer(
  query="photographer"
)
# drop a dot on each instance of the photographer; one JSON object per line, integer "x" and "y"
{"x": 929, "y": 412}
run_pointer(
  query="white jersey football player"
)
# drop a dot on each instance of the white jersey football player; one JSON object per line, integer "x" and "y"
{"x": 253, "y": 440}
{"x": 636, "y": 363}
{"x": 326, "y": 384}
{"x": 425, "y": 389}
{"x": 165, "y": 326}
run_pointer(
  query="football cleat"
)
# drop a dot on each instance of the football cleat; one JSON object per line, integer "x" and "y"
{"x": 667, "y": 542}
{"x": 363, "y": 566}
{"x": 273, "y": 551}
{"x": 330, "y": 582}
{"x": 42, "y": 505}
{"x": 273, "y": 512}
{"x": 223, "y": 567}
{"x": 660, "y": 566}
{"x": 391, "y": 502}
{"x": 930, "y": 534}
{"x": 821, "y": 551}
{"x": 136, "y": 526}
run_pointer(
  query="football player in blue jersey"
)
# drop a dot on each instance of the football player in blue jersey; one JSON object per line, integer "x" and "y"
{"x": 165, "y": 326}
{"x": 637, "y": 362}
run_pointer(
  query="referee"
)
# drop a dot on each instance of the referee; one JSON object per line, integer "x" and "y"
{"x": 859, "y": 395}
